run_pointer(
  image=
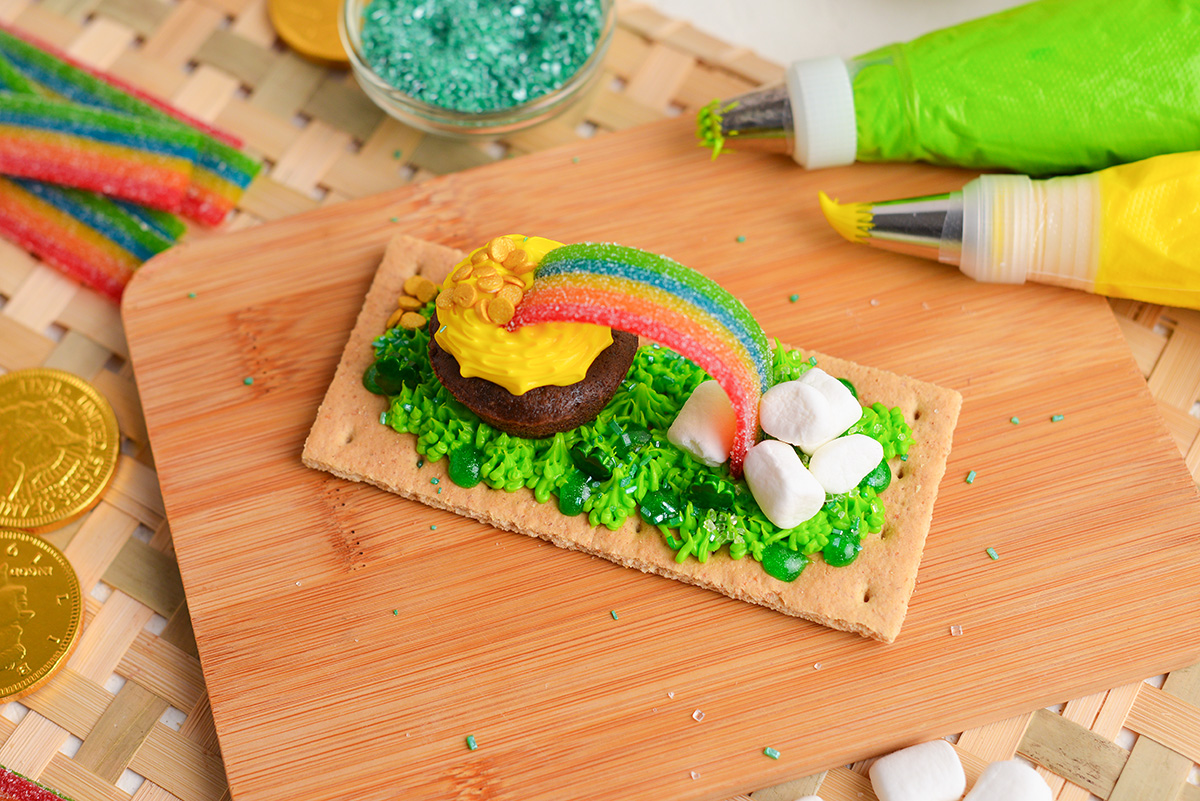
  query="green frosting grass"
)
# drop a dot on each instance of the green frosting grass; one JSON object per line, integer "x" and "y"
{"x": 621, "y": 464}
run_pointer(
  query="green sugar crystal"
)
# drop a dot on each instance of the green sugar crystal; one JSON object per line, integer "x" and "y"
{"x": 478, "y": 56}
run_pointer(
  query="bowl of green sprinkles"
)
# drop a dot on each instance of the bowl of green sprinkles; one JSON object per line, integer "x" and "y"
{"x": 476, "y": 68}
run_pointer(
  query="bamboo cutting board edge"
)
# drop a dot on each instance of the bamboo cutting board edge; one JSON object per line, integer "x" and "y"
{"x": 447, "y": 214}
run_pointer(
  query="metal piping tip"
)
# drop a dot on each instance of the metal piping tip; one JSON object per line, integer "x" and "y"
{"x": 929, "y": 226}
{"x": 758, "y": 120}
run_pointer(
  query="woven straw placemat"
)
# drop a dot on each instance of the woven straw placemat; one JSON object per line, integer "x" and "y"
{"x": 129, "y": 715}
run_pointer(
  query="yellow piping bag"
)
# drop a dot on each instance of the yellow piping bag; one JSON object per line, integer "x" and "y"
{"x": 1128, "y": 231}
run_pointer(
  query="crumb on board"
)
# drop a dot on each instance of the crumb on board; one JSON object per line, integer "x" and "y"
{"x": 956, "y": 630}
{"x": 698, "y": 715}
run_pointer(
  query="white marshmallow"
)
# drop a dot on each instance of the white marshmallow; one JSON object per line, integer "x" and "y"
{"x": 841, "y": 463}
{"x": 809, "y": 411}
{"x": 844, "y": 408}
{"x": 704, "y": 426}
{"x": 795, "y": 412}
{"x": 927, "y": 772}
{"x": 785, "y": 490}
{"x": 1002, "y": 781}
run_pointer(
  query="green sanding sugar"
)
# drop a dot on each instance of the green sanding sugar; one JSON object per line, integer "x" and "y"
{"x": 478, "y": 56}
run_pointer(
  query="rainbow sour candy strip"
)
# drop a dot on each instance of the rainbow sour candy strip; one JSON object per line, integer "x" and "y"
{"x": 658, "y": 298}
{"x": 221, "y": 172}
{"x": 51, "y": 233}
{"x": 88, "y": 148}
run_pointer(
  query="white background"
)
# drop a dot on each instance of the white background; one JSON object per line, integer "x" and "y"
{"x": 788, "y": 30}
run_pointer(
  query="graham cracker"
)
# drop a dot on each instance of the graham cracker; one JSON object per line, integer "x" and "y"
{"x": 869, "y": 596}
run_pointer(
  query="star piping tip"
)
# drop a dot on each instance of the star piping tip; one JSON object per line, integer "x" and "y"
{"x": 853, "y": 221}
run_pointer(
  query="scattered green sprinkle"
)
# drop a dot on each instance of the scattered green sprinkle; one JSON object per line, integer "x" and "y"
{"x": 439, "y": 491}
{"x": 394, "y": 219}
{"x": 812, "y": 360}
{"x": 741, "y": 239}
{"x": 471, "y": 744}
{"x": 1014, "y": 420}
{"x": 991, "y": 552}
{"x": 395, "y": 612}
{"x": 420, "y": 463}
{"x": 575, "y": 160}
{"x": 1054, "y": 418}
{"x": 614, "y": 614}
{"x": 904, "y": 457}
{"x": 397, "y": 154}
{"x": 191, "y": 294}
{"x": 433, "y": 528}
{"x": 771, "y": 752}
{"x": 971, "y": 477}
{"x": 247, "y": 380}
{"x": 434, "y": 481}
{"x": 793, "y": 298}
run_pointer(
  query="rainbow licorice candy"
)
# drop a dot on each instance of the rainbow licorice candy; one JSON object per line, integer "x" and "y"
{"x": 87, "y": 236}
{"x": 220, "y": 171}
{"x": 660, "y": 299}
{"x": 89, "y": 148}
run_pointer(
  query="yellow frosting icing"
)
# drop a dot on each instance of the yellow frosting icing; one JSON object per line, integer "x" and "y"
{"x": 543, "y": 354}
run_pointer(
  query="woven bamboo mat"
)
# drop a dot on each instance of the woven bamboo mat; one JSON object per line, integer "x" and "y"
{"x": 129, "y": 715}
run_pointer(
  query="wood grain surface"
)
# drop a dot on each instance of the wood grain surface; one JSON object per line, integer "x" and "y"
{"x": 349, "y": 649}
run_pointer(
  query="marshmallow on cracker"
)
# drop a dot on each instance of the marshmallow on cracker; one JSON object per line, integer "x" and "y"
{"x": 840, "y": 464}
{"x": 704, "y": 426}
{"x": 784, "y": 489}
{"x": 809, "y": 411}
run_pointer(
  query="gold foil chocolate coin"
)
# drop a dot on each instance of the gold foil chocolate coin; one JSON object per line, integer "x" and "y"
{"x": 310, "y": 27}
{"x": 41, "y": 612}
{"x": 58, "y": 448}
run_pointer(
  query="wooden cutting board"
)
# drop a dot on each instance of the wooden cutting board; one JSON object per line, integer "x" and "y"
{"x": 350, "y": 649}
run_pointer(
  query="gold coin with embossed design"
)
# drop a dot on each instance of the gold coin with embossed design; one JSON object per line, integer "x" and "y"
{"x": 41, "y": 612}
{"x": 310, "y": 27}
{"x": 58, "y": 448}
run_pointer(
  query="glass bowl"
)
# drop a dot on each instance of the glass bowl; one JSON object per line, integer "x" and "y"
{"x": 468, "y": 124}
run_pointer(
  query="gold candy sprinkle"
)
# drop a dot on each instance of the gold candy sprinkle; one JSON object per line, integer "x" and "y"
{"x": 445, "y": 299}
{"x": 412, "y": 320}
{"x": 527, "y": 267}
{"x": 478, "y": 256}
{"x": 395, "y": 318}
{"x": 515, "y": 259}
{"x": 510, "y": 293}
{"x": 515, "y": 280}
{"x": 484, "y": 306}
{"x": 501, "y": 310}
{"x": 490, "y": 283}
{"x": 462, "y": 274}
{"x": 411, "y": 283}
{"x": 484, "y": 270}
{"x": 408, "y": 303}
{"x": 464, "y": 295}
{"x": 426, "y": 289}
{"x": 499, "y": 248}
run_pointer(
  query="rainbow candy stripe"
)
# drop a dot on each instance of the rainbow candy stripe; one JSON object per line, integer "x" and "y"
{"x": 87, "y": 236}
{"x": 658, "y": 298}
{"x": 220, "y": 172}
{"x": 88, "y": 148}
